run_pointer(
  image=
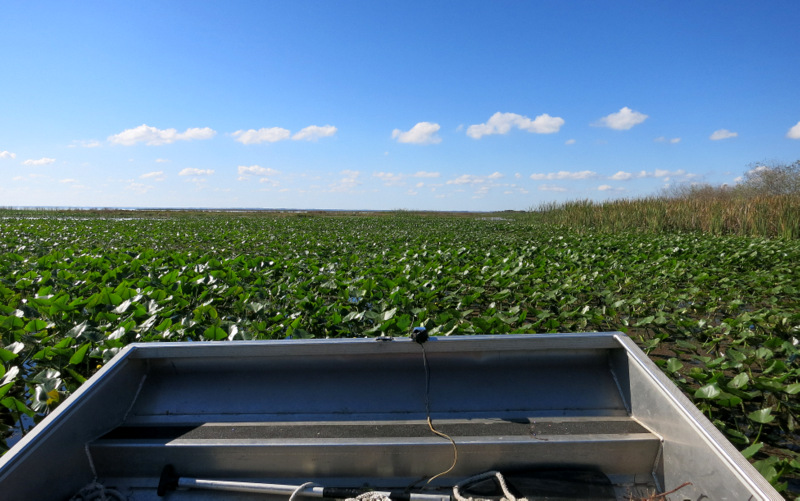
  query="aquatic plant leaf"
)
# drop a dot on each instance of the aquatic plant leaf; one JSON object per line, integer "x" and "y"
{"x": 752, "y": 450}
{"x": 792, "y": 389}
{"x": 6, "y": 355}
{"x": 17, "y": 405}
{"x": 78, "y": 329}
{"x": 739, "y": 380}
{"x": 214, "y": 333}
{"x": 762, "y": 416}
{"x": 674, "y": 365}
{"x": 709, "y": 392}
{"x": 79, "y": 355}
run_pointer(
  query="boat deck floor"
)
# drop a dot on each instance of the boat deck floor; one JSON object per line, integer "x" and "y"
{"x": 379, "y": 453}
{"x": 378, "y": 429}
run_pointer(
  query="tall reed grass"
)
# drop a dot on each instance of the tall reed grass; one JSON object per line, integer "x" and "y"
{"x": 715, "y": 211}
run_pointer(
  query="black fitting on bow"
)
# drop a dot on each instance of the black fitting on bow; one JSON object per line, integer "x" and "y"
{"x": 419, "y": 334}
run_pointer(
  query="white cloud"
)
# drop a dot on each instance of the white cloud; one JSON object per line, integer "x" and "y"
{"x": 139, "y": 188}
{"x": 157, "y": 175}
{"x": 191, "y": 171}
{"x": 68, "y": 180}
{"x": 252, "y": 136}
{"x": 41, "y": 161}
{"x": 421, "y": 133}
{"x": 622, "y": 176}
{"x": 584, "y": 174}
{"x": 513, "y": 188}
{"x": 722, "y": 134}
{"x": 501, "y": 123}
{"x": 347, "y": 182}
{"x": 268, "y": 180}
{"x": 569, "y": 142}
{"x": 608, "y": 187}
{"x": 551, "y": 187}
{"x": 624, "y": 119}
{"x": 256, "y": 170}
{"x": 85, "y": 143}
{"x": 152, "y": 136}
{"x": 389, "y": 178}
{"x": 657, "y": 173}
{"x": 481, "y": 185}
{"x": 794, "y": 132}
{"x": 7, "y": 154}
{"x": 467, "y": 179}
{"x": 662, "y": 139}
{"x": 161, "y": 160}
{"x": 314, "y": 132}
{"x": 423, "y": 173}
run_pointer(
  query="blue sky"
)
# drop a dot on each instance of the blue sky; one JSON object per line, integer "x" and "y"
{"x": 446, "y": 105}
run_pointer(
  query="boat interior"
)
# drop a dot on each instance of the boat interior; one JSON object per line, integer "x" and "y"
{"x": 561, "y": 419}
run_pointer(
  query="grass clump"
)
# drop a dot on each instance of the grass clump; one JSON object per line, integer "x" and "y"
{"x": 765, "y": 204}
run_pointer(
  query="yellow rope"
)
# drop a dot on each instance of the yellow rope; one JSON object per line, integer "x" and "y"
{"x": 455, "y": 451}
{"x": 430, "y": 422}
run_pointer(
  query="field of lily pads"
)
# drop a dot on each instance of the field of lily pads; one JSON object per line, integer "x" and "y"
{"x": 719, "y": 314}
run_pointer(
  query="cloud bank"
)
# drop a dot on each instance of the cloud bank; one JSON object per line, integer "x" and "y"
{"x": 152, "y": 136}
{"x": 155, "y": 175}
{"x": 314, "y": 132}
{"x": 41, "y": 161}
{"x": 264, "y": 135}
{"x": 275, "y": 134}
{"x": 191, "y": 171}
{"x": 552, "y": 187}
{"x": 584, "y": 174}
{"x": 502, "y": 123}
{"x": 657, "y": 173}
{"x": 256, "y": 170}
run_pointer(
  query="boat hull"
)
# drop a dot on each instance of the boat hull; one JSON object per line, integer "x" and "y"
{"x": 355, "y": 412}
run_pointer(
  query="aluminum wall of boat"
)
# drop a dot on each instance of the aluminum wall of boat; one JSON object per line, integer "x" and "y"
{"x": 308, "y": 382}
{"x": 693, "y": 450}
{"x": 487, "y": 376}
{"x": 51, "y": 461}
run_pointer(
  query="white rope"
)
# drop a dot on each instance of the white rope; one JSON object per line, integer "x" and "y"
{"x": 300, "y": 489}
{"x": 370, "y": 496}
{"x": 507, "y": 496}
{"x": 97, "y": 492}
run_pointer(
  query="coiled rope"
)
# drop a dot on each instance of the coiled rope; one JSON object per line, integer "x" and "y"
{"x": 96, "y": 491}
{"x": 507, "y": 496}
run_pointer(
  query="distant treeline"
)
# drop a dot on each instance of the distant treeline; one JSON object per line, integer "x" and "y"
{"x": 766, "y": 204}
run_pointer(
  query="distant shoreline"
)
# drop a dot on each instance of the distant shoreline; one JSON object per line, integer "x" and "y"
{"x": 244, "y": 210}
